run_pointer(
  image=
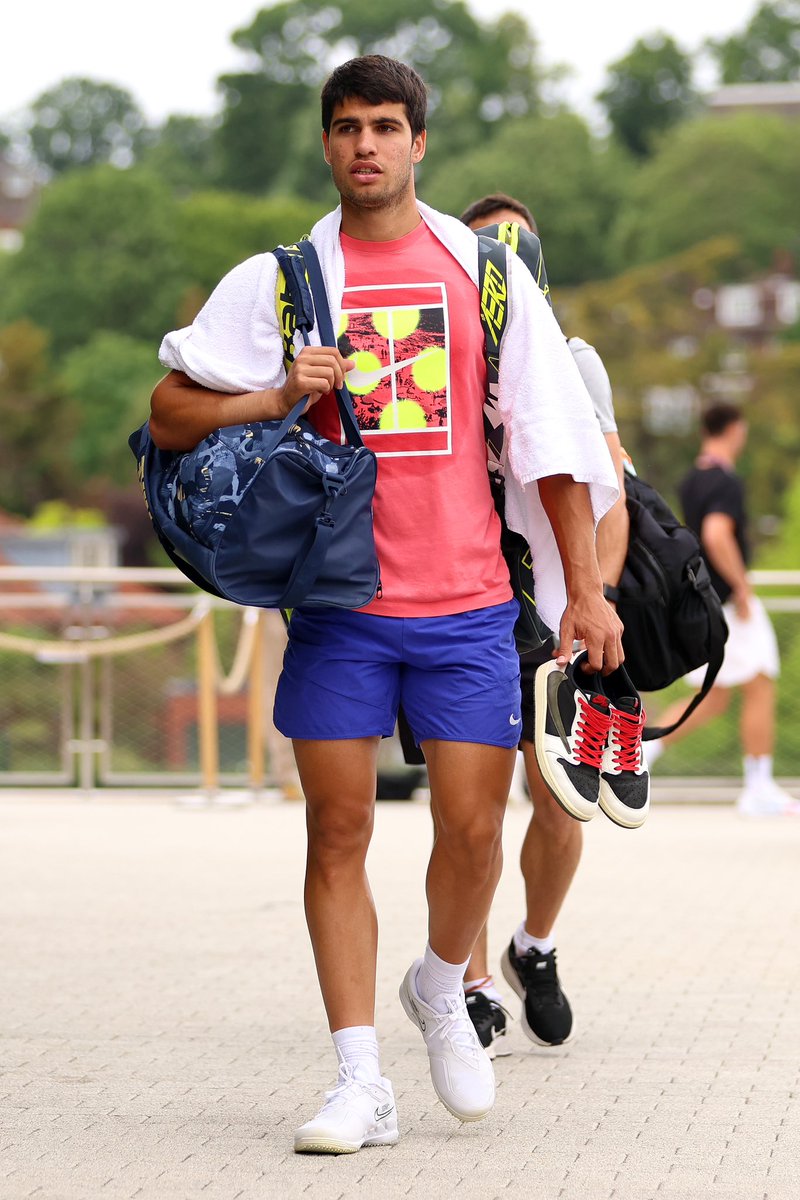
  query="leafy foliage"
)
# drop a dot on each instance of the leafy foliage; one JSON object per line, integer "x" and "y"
{"x": 36, "y": 424}
{"x": 739, "y": 177}
{"x": 766, "y": 51}
{"x": 81, "y": 122}
{"x": 571, "y": 183}
{"x": 99, "y": 253}
{"x": 108, "y": 381}
{"x": 648, "y": 91}
{"x": 216, "y": 230}
{"x": 476, "y": 74}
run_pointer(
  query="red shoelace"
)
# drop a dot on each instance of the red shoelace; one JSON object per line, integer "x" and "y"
{"x": 592, "y": 731}
{"x": 628, "y": 728}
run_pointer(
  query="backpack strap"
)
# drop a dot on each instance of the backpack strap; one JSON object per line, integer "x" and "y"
{"x": 302, "y": 302}
{"x": 718, "y": 636}
{"x": 493, "y": 287}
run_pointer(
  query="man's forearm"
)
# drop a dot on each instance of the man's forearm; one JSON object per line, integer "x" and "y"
{"x": 183, "y": 412}
{"x": 569, "y": 511}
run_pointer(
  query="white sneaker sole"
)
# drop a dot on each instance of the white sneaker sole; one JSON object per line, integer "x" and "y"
{"x": 553, "y": 784}
{"x": 319, "y": 1144}
{"x": 626, "y": 818}
{"x": 405, "y": 1000}
{"x": 512, "y": 979}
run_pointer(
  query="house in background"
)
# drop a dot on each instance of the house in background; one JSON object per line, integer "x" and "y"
{"x": 19, "y": 190}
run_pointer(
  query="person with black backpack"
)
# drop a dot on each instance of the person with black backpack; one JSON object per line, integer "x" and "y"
{"x": 713, "y": 499}
{"x": 552, "y": 846}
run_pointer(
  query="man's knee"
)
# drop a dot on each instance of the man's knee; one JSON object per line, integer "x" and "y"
{"x": 548, "y": 816}
{"x": 339, "y": 832}
{"x": 475, "y": 839}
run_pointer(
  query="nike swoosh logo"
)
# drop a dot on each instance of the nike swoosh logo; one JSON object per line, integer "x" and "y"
{"x": 383, "y": 1111}
{"x": 362, "y": 378}
{"x": 514, "y": 720}
{"x": 554, "y": 681}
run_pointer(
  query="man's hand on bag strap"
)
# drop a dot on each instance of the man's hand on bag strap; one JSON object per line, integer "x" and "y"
{"x": 316, "y": 371}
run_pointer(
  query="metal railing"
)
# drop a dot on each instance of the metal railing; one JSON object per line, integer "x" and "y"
{"x": 111, "y": 678}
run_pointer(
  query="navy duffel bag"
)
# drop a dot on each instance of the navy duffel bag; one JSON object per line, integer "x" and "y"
{"x": 271, "y": 514}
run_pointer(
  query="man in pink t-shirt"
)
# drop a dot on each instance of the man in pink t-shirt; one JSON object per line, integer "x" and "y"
{"x": 439, "y": 635}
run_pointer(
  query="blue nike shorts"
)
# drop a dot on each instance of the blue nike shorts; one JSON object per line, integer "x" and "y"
{"x": 346, "y": 672}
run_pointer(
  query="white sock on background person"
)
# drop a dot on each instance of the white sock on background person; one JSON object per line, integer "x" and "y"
{"x": 653, "y": 750}
{"x": 757, "y": 770}
{"x": 437, "y": 978}
{"x": 357, "y": 1045}
{"x": 486, "y": 986}
{"x": 524, "y": 941}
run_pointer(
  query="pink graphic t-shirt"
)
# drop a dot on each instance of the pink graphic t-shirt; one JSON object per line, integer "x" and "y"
{"x": 410, "y": 321}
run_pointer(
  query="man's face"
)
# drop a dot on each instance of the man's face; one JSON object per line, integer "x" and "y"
{"x": 371, "y": 153}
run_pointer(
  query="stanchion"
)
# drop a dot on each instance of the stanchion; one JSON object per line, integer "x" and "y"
{"x": 208, "y": 725}
{"x": 256, "y": 706}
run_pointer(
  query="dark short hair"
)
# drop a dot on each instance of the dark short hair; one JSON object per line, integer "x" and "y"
{"x": 489, "y": 204}
{"x": 715, "y": 419}
{"x": 376, "y": 79}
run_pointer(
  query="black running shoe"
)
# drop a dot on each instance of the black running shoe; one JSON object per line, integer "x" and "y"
{"x": 489, "y": 1019}
{"x": 572, "y": 719}
{"x": 546, "y": 1014}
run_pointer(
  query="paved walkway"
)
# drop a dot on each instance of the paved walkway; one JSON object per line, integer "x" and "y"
{"x": 161, "y": 1033}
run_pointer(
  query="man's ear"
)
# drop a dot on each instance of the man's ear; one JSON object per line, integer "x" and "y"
{"x": 418, "y": 146}
{"x": 326, "y": 149}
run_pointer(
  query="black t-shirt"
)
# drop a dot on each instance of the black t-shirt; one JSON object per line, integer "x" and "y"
{"x": 715, "y": 489}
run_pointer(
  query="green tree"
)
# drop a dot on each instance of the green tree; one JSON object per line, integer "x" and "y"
{"x": 81, "y": 122}
{"x": 216, "y": 230}
{"x": 99, "y": 253}
{"x": 477, "y": 73}
{"x": 766, "y": 51}
{"x": 182, "y": 152}
{"x": 570, "y": 181}
{"x": 739, "y": 176}
{"x": 648, "y": 91}
{"x": 36, "y": 422}
{"x": 107, "y": 383}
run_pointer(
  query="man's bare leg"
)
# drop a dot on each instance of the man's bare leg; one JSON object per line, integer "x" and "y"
{"x": 339, "y": 784}
{"x": 469, "y": 788}
{"x": 550, "y": 853}
{"x": 757, "y": 722}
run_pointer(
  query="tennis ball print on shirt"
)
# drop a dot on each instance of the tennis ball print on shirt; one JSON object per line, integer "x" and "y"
{"x": 397, "y": 336}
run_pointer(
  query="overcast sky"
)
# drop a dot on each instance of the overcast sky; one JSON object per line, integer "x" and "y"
{"x": 168, "y": 53}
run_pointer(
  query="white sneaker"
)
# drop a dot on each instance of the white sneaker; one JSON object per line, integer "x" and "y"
{"x": 354, "y": 1114}
{"x": 461, "y": 1072}
{"x": 766, "y": 800}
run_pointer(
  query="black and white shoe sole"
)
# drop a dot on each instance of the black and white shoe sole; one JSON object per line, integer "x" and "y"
{"x": 554, "y": 785}
{"x": 513, "y": 980}
{"x": 620, "y": 814}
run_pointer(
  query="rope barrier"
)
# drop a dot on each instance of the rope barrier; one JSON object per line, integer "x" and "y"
{"x": 101, "y": 648}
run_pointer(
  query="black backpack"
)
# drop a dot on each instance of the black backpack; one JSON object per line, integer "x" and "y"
{"x": 673, "y": 618}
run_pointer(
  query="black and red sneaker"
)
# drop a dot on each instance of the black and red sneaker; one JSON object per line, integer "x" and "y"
{"x": 572, "y": 723}
{"x": 624, "y": 777}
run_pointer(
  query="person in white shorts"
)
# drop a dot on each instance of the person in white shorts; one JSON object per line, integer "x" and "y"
{"x": 713, "y": 500}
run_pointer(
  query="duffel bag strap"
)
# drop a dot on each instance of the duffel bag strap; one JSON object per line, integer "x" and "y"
{"x": 719, "y": 635}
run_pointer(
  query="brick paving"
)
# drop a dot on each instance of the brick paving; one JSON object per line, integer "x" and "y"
{"x": 161, "y": 1034}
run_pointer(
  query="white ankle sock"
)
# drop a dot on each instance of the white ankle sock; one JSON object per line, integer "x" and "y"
{"x": 357, "y": 1045}
{"x": 485, "y": 985}
{"x": 437, "y": 978}
{"x": 526, "y": 941}
{"x": 653, "y": 751}
{"x": 757, "y": 769}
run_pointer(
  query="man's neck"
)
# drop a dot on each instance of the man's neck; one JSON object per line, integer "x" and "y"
{"x": 717, "y": 451}
{"x": 380, "y": 224}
